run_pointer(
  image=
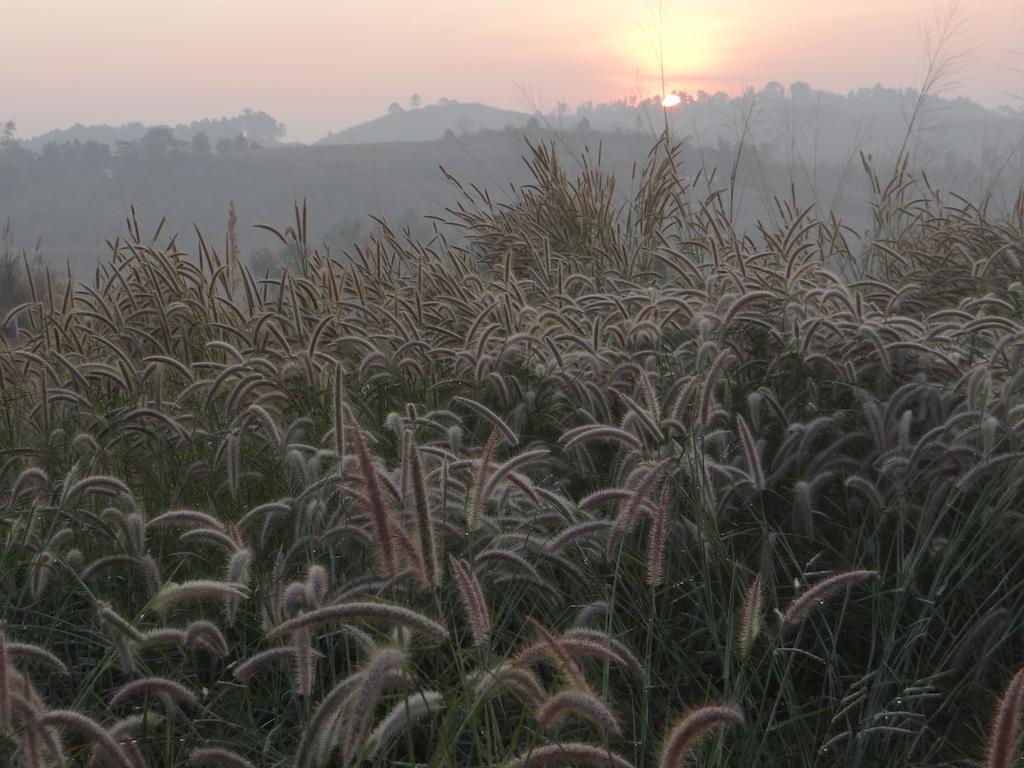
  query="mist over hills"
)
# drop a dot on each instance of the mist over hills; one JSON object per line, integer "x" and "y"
{"x": 773, "y": 114}
{"x": 426, "y": 123}
{"x": 73, "y": 188}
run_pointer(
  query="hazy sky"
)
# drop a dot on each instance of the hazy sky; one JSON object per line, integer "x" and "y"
{"x": 320, "y": 65}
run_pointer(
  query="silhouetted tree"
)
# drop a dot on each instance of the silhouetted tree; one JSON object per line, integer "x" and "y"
{"x": 415, "y": 101}
{"x": 395, "y": 108}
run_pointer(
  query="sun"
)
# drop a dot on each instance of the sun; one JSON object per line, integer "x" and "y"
{"x": 671, "y": 100}
{"x": 676, "y": 56}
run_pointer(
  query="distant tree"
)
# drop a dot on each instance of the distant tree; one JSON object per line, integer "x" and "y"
{"x": 800, "y": 91}
{"x": 224, "y": 146}
{"x": 774, "y": 90}
{"x": 443, "y": 101}
{"x": 241, "y": 142}
{"x": 449, "y": 134}
{"x": 159, "y": 143}
{"x": 259, "y": 127}
{"x": 584, "y": 126}
{"x": 7, "y": 133}
{"x": 415, "y": 101}
{"x": 201, "y": 145}
{"x": 394, "y": 108}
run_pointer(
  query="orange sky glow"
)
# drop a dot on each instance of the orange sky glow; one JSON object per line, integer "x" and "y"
{"x": 320, "y": 65}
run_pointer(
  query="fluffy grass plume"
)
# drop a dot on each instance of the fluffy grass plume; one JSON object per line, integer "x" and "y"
{"x": 691, "y": 728}
{"x": 751, "y": 617}
{"x": 801, "y": 606}
{"x": 217, "y": 757}
{"x": 1004, "y": 732}
{"x": 582, "y": 704}
{"x": 472, "y": 598}
{"x": 568, "y": 753}
{"x": 363, "y": 611}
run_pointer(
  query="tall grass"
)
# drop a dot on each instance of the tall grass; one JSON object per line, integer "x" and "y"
{"x": 575, "y": 481}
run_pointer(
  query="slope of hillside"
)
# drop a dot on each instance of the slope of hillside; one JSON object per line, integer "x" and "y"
{"x": 428, "y": 123}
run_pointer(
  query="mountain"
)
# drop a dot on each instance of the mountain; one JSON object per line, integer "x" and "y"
{"x": 428, "y": 123}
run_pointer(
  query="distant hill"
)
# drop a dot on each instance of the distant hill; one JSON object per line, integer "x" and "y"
{"x": 101, "y": 134}
{"x": 429, "y": 123}
{"x": 255, "y": 126}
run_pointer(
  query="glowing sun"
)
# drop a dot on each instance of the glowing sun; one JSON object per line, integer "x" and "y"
{"x": 671, "y": 100}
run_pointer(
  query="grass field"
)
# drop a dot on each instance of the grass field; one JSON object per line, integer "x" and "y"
{"x": 582, "y": 479}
